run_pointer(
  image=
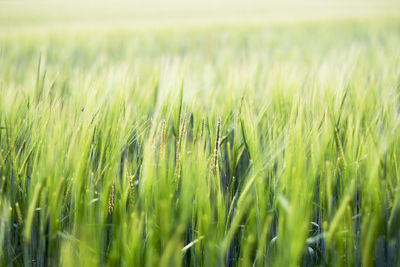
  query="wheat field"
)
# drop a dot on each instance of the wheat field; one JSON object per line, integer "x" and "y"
{"x": 214, "y": 134}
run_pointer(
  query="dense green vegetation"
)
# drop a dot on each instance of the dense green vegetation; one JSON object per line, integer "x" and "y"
{"x": 201, "y": 146}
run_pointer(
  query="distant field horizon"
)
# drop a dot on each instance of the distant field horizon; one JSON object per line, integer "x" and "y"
{"x": 16, "y": 13}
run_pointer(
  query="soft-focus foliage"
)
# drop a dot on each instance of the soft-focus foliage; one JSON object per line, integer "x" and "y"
{"x": 110, "y": 152}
